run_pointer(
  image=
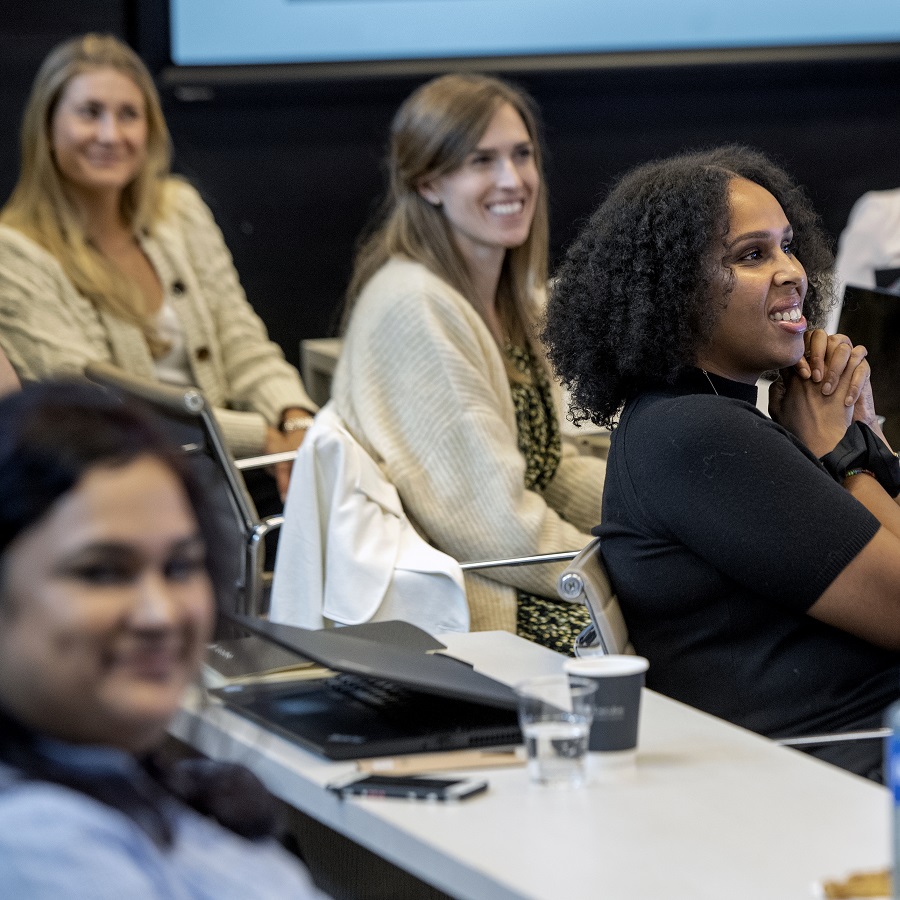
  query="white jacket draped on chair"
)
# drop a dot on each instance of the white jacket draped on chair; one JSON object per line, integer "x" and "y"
{"x": 348, "y": 554}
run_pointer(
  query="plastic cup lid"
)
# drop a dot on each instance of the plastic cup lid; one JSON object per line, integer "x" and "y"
{"x": 607, "y": 666}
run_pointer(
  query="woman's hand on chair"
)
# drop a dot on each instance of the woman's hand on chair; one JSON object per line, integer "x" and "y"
{"x": 277, "y": 442}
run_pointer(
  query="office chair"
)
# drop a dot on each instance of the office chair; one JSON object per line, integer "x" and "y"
{"x": 191, "y": 420}
{"x": 585, "y": 579}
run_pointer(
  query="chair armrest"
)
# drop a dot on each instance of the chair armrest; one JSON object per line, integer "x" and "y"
{"x": 260, "y": 462}
{"x": 813, "y": 739}
{"x": 539, "y": 559}
{"x": 268, "y": 524}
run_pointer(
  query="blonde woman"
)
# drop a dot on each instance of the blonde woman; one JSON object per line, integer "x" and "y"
{"x": 105, "y": 256}
{"x": 441, "y": 379}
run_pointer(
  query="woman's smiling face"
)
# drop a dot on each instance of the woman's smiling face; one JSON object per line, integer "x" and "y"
{"x": 106, "y": 609}
{"x": 98, "y": 131}
{"x": 490, "y": 199}
{"x": 760, "y": 324}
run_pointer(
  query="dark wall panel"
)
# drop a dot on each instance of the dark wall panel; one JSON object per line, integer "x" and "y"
{"x": 291, "y": 185}
{"x": 293, "y": 172}
{"x": 27, "y": 31}
{"x": 295, "y": 180}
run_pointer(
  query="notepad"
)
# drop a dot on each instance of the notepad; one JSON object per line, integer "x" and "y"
{"x": 252, "y": 659}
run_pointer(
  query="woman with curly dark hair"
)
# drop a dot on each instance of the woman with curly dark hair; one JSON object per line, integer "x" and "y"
{"x": 757, "y": 560}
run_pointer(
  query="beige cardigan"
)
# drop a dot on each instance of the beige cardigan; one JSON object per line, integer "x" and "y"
{"x": 422, "y": 386}
{"x": 47, "y": 328}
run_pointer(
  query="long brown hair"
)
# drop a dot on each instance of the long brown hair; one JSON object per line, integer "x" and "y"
{"x": 41, "y": 208}
{"x": 433, "y": 132}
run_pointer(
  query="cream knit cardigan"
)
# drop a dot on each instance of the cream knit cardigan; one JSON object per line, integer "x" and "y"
{"x": 422, "y": 386}
{"x": 47, "y": 328}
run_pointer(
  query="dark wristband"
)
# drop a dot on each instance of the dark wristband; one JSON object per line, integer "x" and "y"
{"x": 859, "y": 448}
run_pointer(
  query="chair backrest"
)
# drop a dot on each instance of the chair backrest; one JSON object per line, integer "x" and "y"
{"x": 585, "y": 579}
{"x": 190, "y": 419}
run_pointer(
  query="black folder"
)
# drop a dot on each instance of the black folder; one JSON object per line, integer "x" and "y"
{"x": 388, "y": 698}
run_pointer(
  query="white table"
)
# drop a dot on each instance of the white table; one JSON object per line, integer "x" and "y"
{"x": 713, "y": 812}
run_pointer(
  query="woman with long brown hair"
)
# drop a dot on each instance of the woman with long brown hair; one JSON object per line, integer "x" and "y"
{"x": 441, "y": 378}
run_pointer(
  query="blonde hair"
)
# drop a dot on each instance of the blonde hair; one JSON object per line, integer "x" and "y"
{"x": 433, "y": 132}
{"x": 40, "y": 207}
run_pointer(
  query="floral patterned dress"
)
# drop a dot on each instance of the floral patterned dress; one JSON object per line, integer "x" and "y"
{"x": 554, "y": 623}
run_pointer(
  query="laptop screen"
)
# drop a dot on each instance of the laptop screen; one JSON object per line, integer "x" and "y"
{"x": 872, "y": 317}
{"x": 428, "y": 673}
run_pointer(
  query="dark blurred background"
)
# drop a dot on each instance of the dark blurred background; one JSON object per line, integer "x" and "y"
{"x": 292, "y": 169}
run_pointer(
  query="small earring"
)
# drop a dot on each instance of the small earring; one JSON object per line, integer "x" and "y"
{"x": 436, "y": 203}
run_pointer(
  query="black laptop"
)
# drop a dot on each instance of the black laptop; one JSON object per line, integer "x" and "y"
{"x": 871, "y": 316}
{"x": 888, "y": 279}
{"x": 386, "y": 699}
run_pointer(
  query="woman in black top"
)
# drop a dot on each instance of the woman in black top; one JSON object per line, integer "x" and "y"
{"x": 757, "y": 560}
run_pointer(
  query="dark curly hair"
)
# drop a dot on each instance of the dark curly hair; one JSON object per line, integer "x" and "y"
{"x": 630, "y": 307}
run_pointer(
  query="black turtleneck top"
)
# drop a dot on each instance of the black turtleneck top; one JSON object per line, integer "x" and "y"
{"x": 720, "y": 530}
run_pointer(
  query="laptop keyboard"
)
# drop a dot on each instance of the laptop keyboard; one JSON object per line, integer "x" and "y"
{"x": 348, "y": 716}
{"x": 374, "y": 692}
{"x": 409, "y": 709}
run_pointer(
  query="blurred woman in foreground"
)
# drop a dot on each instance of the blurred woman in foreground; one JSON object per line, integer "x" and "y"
{"x": 110, "y": 560}
{"x": 756, "y": 560}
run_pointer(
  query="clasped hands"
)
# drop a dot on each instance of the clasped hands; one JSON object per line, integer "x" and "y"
{"x": 829, "y": 388}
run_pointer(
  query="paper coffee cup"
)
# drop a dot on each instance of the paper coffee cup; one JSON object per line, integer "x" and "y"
{"x": 617, "y": 700}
